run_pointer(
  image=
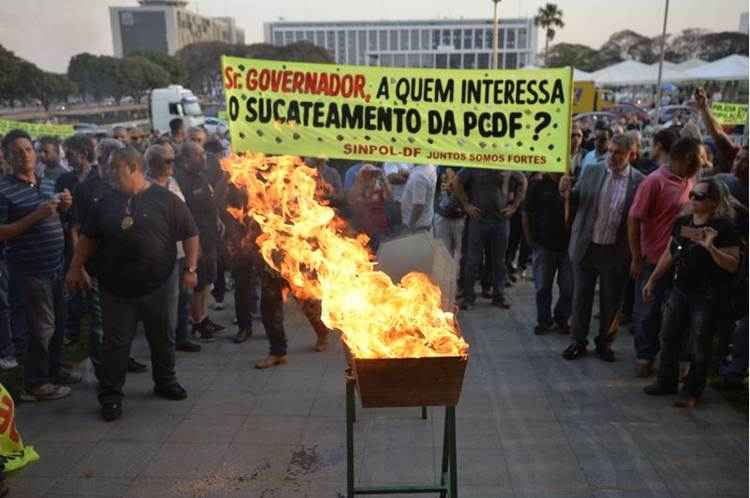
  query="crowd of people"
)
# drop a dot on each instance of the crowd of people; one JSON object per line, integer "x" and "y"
{"x": 100, "y": 235}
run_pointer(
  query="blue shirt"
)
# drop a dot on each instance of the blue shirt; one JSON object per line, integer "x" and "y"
{"x": 592, "y": 159}
{"x": 39, "y": 250}
{"x": 351, "y": 176}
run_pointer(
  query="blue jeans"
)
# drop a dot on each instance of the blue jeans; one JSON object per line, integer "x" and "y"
{"x": 7, "y": 348}
{"x": 647, "y": 316}
{"x": 688, "y": 320}
{"x": 44, "y": 308}
{"x": 547, "y": 263}
{"x": 495, "y": 234}
{"x": 736, "y": 369}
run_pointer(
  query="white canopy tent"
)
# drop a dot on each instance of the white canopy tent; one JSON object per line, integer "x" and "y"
{"x": 690, "y": 64}
{"x": 578, "y": 75}
{"x": 730, "y": 68}
{"x": 623, "y": 73}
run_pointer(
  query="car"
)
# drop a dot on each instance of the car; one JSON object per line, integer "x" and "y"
{"x": 623, "y": 109}
{"x": 681, "y": 113}
{"x": 215, "y": 125}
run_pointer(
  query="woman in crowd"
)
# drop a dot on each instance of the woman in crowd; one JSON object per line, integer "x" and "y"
{"x": 704, "y": 251}
{"x": 367, "y": 200}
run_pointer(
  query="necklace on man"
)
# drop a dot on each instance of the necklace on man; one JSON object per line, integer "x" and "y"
{"x": 128, "y": 220}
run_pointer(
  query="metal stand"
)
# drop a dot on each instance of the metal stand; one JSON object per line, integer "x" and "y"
{"x": 448, "y": 487}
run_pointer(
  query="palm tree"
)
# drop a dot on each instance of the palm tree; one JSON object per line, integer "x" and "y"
{"x": 549, "y": 17}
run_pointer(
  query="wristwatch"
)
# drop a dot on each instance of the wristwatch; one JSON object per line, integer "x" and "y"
{"x": 191, "y": 269}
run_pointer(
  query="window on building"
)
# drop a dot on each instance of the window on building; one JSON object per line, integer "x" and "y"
{"x": 310, "y": 36}
{"x": 428, "y": 60}
{"x": 373, "y": 41}
{"x": 483, "y": 60}
{"x": 469, "y": 61}
{"x": 455, "y": 61}
{"x": 341, "y": 47}
{"x": 511, "y": 39}
{"x": 278, "y": 38}
{"x": 320, "y": 38}
{"x": 383, "y": 40}
{"x": 511, "y": 60}
{"x": 413, "y": 60}
{"x": 361, "y": 46}
{"x": 446, "y": 38}
{"x": 441, "y": 61}
{"x": 331, "y": 40}
{"x": 399, "y": 60}
{"x": 435, "y": 39}
{"x": 386, "y": 60}
{"x": 404, "y": 39}
{"x": 478, "y": 38}
{"x": 299, "y": 35}
{"x": 523, "y": 59}
{"x": 488, "y": 38}
{"x": 501, "y": 36}
{"x": 351, "y": 47}
{"x": 426, "y": 35}
{"x": 468, "y": 39}
{"x": 415, "y": 39}
{"x": 522, "y": 38}
{"x": 393, "y": 39}
{"x": 457, "y": 41}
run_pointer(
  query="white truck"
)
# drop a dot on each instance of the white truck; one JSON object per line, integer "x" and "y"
{"x": 174, "y": 101}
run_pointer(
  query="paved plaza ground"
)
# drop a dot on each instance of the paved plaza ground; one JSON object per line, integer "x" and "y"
{"x": 529, "y": 425}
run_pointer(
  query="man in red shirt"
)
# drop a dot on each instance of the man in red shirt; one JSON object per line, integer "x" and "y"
{"x": 659, "y": 200}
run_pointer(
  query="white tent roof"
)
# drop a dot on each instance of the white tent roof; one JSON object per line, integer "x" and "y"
{"x": 690, "y": 64}
{"x": 730, "y": 68}
{"x": 623, "y": 73}
{"x": 579, "y": 75}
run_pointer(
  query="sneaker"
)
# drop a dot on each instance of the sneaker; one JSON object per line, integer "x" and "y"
{"x": 188, "y": 347}
{"x": 136, "y": 366}
{"x": 542, "y": 328}
{"x": 214, "y": 327}
{"x": 562, "y": 327}
{"x": 202, "y": 332}
{"x": 67, "y": 377}
{"x": 47, "y": 392}
{"x": 501, "y": 302}
{"x": 175, "y": 392}
{"x": 8, "y": 363}
{"x": 242, "y": 335}
{"x": 111, "y": 411}
{"x": 575, "y": 351}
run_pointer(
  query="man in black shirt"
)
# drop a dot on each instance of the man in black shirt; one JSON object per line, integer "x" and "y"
{"x": 202, "y": 203}
{"x": 134, "y": 232}
{"x": 547, "y": 233}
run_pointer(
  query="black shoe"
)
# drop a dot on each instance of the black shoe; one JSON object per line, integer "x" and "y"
{"x": 174, "y": 392}
{"x": 562, "y": 328}
{"x": 214, "y": 327}
{"x": 657, "y": 389}
{"x": 467, "y": 304}
{"x": 188, "y": 347}
{"x": 501, "y": 302}
{"x": 605, "y": 353}
{"x": 243, "y": 335}
{"x": 542, "y": 329}
{"x": 574, "y": 351}
{"x": 136, "y": 366}
{"x": 111, "y": 411}
{"x": 203, "y": 333}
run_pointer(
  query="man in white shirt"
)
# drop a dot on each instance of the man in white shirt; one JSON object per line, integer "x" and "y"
{"x": 418, "y": 198}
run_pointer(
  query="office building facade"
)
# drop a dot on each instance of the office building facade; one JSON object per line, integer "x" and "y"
{"x": 459, "y": 44}
{"x": 166, "y": 26}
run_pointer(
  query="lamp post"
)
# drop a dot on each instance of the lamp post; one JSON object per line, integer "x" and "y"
{"x": 661, "y": 62}
{"x": 495, "y": 38}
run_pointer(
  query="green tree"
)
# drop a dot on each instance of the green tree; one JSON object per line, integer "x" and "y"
{"x": 572, "y": 54}
{"x": 549, "y": 18}
{"x": 83, "y": 70}
{"x": 169, "y": 63}
{"x": 9, "y": 75}
{"x": 139, "y": 75}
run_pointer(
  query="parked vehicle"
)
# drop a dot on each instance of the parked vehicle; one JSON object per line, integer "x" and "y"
{"x": 174, "y": 101}
{"x": 588, "y": 98}
{"x": 681, "y": 113}
{"x": 623, "y": 109}
{"x": 215, "y": 125}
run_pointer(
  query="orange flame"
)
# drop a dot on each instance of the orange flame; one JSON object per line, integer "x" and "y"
{"x": 306, "y": 243}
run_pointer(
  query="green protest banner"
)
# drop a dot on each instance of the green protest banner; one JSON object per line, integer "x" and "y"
{"x": 498, "y": 119}
{"x": 727, "y": 113}
{"x": 35, "y": 129}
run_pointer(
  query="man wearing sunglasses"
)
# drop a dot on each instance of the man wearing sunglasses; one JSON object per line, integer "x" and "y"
{"x": 660, "y": 199}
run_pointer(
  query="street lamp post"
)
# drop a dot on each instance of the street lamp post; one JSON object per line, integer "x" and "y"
{"x": 661, "y": 62}
{"x": 495, "y": 39}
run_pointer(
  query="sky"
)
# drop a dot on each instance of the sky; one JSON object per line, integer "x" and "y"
{"x": 49, "y": 32}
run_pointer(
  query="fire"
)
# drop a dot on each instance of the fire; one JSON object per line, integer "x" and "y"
{"x": 308, "y": 245}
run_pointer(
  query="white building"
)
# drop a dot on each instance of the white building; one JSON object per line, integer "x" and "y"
{"x": 166, "y": 26}
{"x": 464, "y": 43}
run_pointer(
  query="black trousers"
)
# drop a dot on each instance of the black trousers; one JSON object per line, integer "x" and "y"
{"x": 245, "y": 294}
{"x": 120, "y": 320}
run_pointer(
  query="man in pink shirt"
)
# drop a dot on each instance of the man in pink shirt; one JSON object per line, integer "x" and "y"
{"x": 659, "y": 200}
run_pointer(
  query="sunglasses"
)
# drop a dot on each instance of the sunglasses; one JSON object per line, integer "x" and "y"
{"x": 697, "y": 196}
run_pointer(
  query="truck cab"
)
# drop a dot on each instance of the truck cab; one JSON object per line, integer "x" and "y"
{"x": 174, "y": 101}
